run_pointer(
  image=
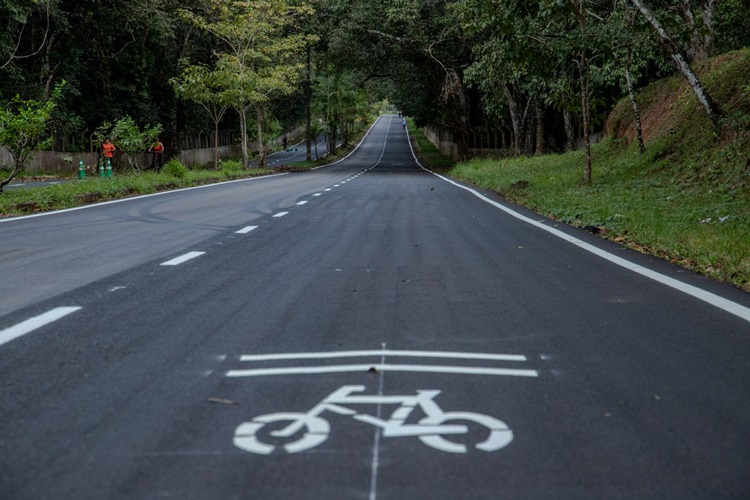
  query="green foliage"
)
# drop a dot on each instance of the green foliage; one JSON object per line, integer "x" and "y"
{"x": 175, "y": 168}
{"x": 93, "y": 189}
{"x": 128, "y": 136}
{"x": 23, "y": 124}
{"x": 231, "y": 166}
{"x": 687, "y": 198}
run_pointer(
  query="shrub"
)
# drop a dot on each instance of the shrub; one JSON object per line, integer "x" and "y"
{"x": 231, "y": 166}
{"x": 176, "y": 169}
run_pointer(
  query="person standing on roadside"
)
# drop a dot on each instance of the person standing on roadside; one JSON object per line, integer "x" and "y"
{"x": 157, "y": 149}
{"x": 108, "y": 150}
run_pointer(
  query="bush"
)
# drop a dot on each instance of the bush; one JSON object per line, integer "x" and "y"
{"x": 231, "y": 166}
{"x": 175, "y": 169}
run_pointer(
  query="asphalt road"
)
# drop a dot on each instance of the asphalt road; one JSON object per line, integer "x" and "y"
{"x": 366, "y": 330}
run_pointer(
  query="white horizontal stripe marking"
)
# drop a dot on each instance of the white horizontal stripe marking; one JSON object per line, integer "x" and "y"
{"x": 183, "y": 258}
{"x": 281, "y": 214}
{"x": 382, "y": 352}
{"x": 306, "y": 370}
{"x": 32, "y": 324}
{"x": 246, "y": 230}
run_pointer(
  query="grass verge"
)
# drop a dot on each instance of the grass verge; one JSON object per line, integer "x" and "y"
{"x": 700, "y": 224}
{"x": 24, "y": 201}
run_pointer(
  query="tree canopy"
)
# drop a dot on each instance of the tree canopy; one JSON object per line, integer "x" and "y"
{"x": 535, "y": 75}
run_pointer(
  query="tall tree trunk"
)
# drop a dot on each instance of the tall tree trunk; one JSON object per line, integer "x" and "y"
{"x": 515, "y": 119}
{"x": 670, "y": 47}
{"x": 636, "y": 111}
{"x": 308, "y": 107}
{"x": 539, "y": 115}
{"x": 216, "y": 144}
{"x": 629, "y": 82}
{"x": 243, "y": 130}
{"x": 708, "y": 24}
{"x": 570, "y": 133}
{"x": 261, "y": 146}
{"x": 586, "y": 107}
{"x": 583, "y": 68}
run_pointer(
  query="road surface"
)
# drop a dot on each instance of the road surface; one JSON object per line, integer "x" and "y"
{"x": 367, "y": 330}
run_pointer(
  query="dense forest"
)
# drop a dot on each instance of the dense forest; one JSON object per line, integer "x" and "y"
{"x": 528, "y": 76}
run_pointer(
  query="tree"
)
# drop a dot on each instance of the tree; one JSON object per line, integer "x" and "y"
{"x": 129, "y": 138}
{"x": 207, "y": 88}
{"x": 671, "y": 48}
{"x": 259, "y": 56}
{"x": 23, "y": 127}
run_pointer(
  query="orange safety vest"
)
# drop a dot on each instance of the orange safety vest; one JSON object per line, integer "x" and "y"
{"x": 109, "y": 150}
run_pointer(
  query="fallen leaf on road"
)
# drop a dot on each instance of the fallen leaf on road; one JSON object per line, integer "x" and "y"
{"x": 373, "y": 370}
{"x": 223, "y": 401}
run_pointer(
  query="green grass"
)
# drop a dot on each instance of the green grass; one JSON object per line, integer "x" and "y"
{"x": 21, "y": 201}
{"x": 686, "y": 199}
{"x": 174, "y": 175}
{"x": 700, "y": 223}
{"x": 428, "y": 154}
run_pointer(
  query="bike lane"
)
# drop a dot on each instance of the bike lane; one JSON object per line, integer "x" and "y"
{"x": 385, "y": 423}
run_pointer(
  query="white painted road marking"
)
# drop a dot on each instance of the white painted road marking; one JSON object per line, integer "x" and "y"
{"x": 430, "y": 430}
{"x": 381, "y": 365}
{"x": 310, "y": 370}
{"x": 317, "y": 194}
{"x": 32, "y": 324}
{"x": 246, "y": 230}
{"x": 710, "y": 298}
{"x": 302, "y": 202}
{"x": 384, "y": 352}
{"x": 183, "y": 258}
{"x": 280, "y": 214}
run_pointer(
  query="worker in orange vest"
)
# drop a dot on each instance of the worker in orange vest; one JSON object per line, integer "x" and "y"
{"x": 109, "y": 149}
{"x": 157, "y": 149}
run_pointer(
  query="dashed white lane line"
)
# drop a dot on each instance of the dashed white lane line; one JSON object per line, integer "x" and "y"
{"x": 280, "y": 214}
{"x": 183, "y": 258}
{"x": 327, "y": 189}
{"x": 36, "y": 322}
{"x": 317, "y": 194}
{"x": 303, "y": 202}
{"x": 246, "y": 230}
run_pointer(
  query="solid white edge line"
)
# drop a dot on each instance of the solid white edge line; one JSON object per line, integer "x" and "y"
{"x": 124, "y": 200}
{"x": 355, "y": 148}
{"x": 182, "y": 258}
{"x": 34, "y": 323}
{"x": 710, "y": 298}
{"x": 246, "y": 230}
{"x": 352, "y": 354}
{"x": 311, "y": 370}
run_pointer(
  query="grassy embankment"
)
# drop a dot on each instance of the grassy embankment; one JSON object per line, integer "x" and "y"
{"x": 686, "y": 199}
{"x": 125, "y": 184}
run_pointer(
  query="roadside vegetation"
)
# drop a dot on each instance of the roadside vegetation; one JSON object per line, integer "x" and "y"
{"x": 174, "y": 175}
{"x": 685, "y": 199}
{"x": 76, "y": 192}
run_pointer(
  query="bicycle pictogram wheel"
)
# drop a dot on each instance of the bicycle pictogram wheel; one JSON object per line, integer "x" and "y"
{"x": 316, "y": 430}
{"x": 500, "y": 435}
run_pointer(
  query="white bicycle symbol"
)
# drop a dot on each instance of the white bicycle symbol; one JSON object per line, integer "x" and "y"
{"x": 430, "y": 429}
